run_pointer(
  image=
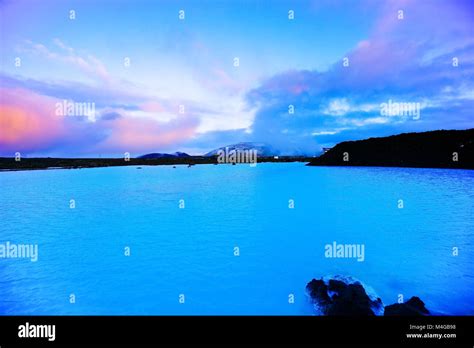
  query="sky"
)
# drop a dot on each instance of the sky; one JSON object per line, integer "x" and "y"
{"x": 101, "y": 78}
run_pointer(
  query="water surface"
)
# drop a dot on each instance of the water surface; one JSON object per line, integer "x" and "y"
{"x": 190, "y": 251}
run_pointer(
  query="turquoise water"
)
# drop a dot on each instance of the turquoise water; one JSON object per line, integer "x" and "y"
{"x": 190, "y": 251}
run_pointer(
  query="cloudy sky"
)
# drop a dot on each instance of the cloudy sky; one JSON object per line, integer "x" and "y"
{"x": 158, "y": 82}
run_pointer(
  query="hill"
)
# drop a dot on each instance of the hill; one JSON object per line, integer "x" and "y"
{"x": 435, "y": 149}
{"x": 164, "y": 155}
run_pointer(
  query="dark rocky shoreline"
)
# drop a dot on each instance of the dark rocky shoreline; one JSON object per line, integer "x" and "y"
{"x": 9, "y": 163}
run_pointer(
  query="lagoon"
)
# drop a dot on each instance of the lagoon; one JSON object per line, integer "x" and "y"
{"x": 279, "y": 216}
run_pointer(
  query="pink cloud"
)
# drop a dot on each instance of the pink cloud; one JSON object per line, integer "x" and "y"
{"x": 133, "y": 134}
{"x": 440, "y": 20}
{"x": 29, "y": 124}
{"x": 27, "y": 121}
{"x": 400, "y": 41}
{"x": 152, "y": 106}
{"x": 222, "y": 79}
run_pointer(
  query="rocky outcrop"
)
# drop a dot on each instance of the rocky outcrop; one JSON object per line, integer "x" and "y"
{"x": 347, "y": 297}
{"x": 337, "y": 297}
{"x": 413, "y": 307}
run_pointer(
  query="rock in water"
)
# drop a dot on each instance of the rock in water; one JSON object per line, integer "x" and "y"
{"x": 413, "y": 307}
{"x": 339, "y": 297}
{"x": 318, "y": 291}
